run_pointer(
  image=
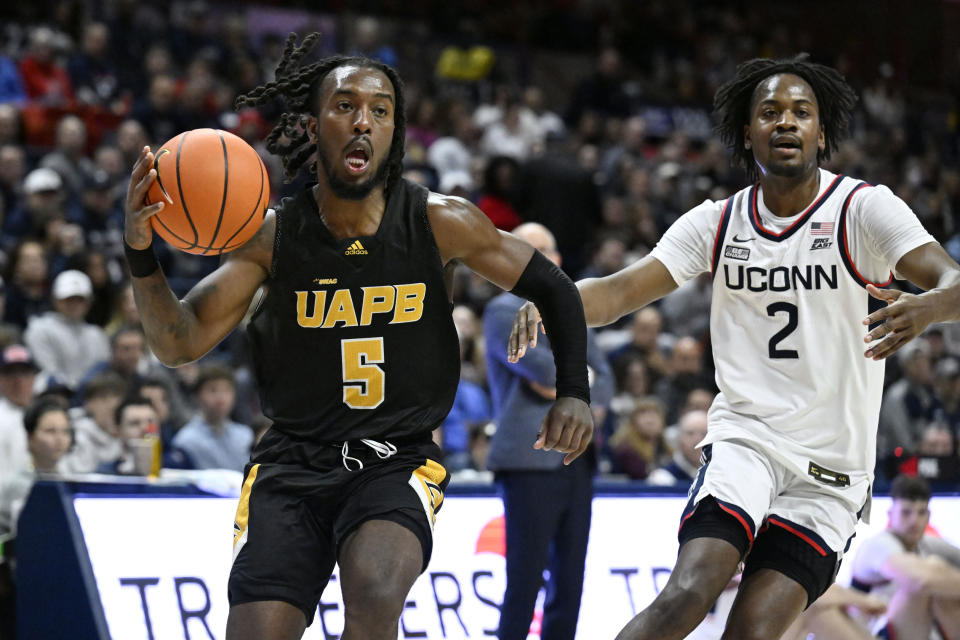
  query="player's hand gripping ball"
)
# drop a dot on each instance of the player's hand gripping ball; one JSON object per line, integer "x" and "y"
{"x": 215, "y": 188}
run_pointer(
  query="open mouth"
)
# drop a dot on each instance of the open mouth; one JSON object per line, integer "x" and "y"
{"x": 357, "y": 161}
{"x": 787, "y": 145}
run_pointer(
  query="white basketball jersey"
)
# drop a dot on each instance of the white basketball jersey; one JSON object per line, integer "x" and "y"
{"x": 787, "y": 333}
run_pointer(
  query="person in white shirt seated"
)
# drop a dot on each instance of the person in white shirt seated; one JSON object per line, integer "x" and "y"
{"x": 916, "y": 573}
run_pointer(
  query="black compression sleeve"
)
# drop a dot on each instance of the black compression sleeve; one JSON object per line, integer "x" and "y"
{"x": 558, "y": 301}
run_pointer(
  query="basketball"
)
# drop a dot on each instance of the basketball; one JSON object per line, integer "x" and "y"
{"x": 215, "y": 188}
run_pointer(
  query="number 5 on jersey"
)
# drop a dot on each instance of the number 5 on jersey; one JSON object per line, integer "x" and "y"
{"x": 363, "y": 380}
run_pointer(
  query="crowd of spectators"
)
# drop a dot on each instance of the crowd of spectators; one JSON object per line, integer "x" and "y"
{"x": 606, "y": 153}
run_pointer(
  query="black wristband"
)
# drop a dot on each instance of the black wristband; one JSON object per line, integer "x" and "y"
{"x": 142, "y": 262}
{"x": 558, "y": 301}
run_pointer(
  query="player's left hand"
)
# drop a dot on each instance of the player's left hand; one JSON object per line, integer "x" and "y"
{"x": 903, "y": 319}
{"x": 568, "y": 428}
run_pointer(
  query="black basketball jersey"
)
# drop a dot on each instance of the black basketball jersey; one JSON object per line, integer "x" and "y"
{"x": 355, "y": 337}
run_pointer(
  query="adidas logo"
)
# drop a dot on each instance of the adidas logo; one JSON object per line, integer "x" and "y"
{"x": 355, "y": 249}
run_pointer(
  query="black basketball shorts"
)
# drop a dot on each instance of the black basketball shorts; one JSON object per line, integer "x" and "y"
{"x": 299, "y": 503}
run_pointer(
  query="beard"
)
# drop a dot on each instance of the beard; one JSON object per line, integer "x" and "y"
{"x": 784, "y": 170}
{"x": 352, "y": 190}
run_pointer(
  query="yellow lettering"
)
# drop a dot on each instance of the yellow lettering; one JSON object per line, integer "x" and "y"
{"x": 341, "y": 310}
{"x": 376, "y": 300}
{"x": 409, "y": 302}
{"x": 319, "y": 300}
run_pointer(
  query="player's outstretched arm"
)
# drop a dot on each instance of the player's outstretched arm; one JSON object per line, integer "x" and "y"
{"x": 605, "y": 300}
{"x": 464, "y": 233}
{"x": 182, "y": 331}
{"x": 906, "y": 315}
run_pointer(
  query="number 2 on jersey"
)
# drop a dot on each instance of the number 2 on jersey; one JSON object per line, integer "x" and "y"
{"x": 363, "y": 380}
{"x": 791, "y": 311}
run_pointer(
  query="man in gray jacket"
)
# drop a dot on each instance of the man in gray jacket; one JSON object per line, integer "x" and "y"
{"x": 546, "y": 504}
{"x": 64, "y": 344}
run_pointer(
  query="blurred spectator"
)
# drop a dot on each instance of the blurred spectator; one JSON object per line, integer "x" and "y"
{"x": 538, "y": 120}
{"x": 908, "y": 404}
{"x": 11, "y": 125}
{"x": 422, "y": 126}
{"x": 947, "y": 375}
{"x": 452, "y": 151}
{"x": 633, "y": 383}
{"x": 133, "y": 417}
{"x": 500, "y": 182}
{"x": 131, "y": 139}
{"x": 687, "y": 372}
{"x": 508, "y": 137}
{"x": 109, "y": 159}
{"x": 13, "y": 169}
{"x": 11, "y": 83}
{"x": 911, "y": 570}
{"x": 63, "y": 343}
{"x": 105, "y": 293}
{"x": 91, "y": 69}
{"x": 48, "y": 435}
{"x": 46, "y": 81}
{"x": 828, "y": 617}
{"x": 9, "y": 332}
{"x": 602, "y": 92}
{"x": 211, "y": 440}
{"x": 619, "y": 160}
{"x": 456, "y": 183}
{"x": 686, "y": 310}
{"x": 18, "y": 372}
{"x": 686, "y": 456}
{"x": 97, "y": 439}
{"x": 128, "y": 348}
{"x": 638, "y": 446}
{"x": 66, "y": 245}
{"x": 159, "y": 113}
{"x": 471, "y": 405}
{"x": 936, "y": 441}
{"x": 645, "y": 343}
{"x": 69, "y": 156}
{"x": 45, "y": 201}
{"x": 547, "y": 504}
{"x": 159, "y": 389}
{"x": 26, "y": 280}
{"x": 124, "y": 311}
{"x": 609, "y": 257}
{"x": 480, "y": 435}
{"x": 367, "y": 41}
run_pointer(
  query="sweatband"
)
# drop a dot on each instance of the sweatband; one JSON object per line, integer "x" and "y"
{"x": 143, "y": 262}
{"x": 560, "y": 307}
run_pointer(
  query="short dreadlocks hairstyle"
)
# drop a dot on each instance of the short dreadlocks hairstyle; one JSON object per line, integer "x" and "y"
{"x": 298, "y": 87}
{"x": 732, "y": 103}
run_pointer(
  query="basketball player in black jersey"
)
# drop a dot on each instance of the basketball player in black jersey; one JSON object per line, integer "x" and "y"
{"x": 356, "y": 352}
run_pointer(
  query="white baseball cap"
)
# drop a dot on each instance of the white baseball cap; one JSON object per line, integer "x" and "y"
{"x": 72, "y": 283}
{"x": 454, "y": 178}
{"x": 42, "y": 179}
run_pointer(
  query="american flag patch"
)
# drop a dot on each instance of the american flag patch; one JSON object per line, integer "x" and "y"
{"x": 821, "y": 229}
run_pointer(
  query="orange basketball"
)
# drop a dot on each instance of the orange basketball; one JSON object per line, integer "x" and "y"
{"x": 215, "y": 188}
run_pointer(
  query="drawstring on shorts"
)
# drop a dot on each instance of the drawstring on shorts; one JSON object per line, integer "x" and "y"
{"x": 383, "y": 450}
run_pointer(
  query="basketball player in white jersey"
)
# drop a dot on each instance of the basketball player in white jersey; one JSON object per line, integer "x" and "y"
{"x": 800, "y": 328}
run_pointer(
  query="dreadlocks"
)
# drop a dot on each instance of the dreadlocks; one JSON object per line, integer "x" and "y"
{"x": 733, "y": 100}
{"x": 298, "y": 87}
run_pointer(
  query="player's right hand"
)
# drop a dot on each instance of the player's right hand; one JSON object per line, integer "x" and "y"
{"x": 524, "y": 332}
{"x": 137, "y": 231}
